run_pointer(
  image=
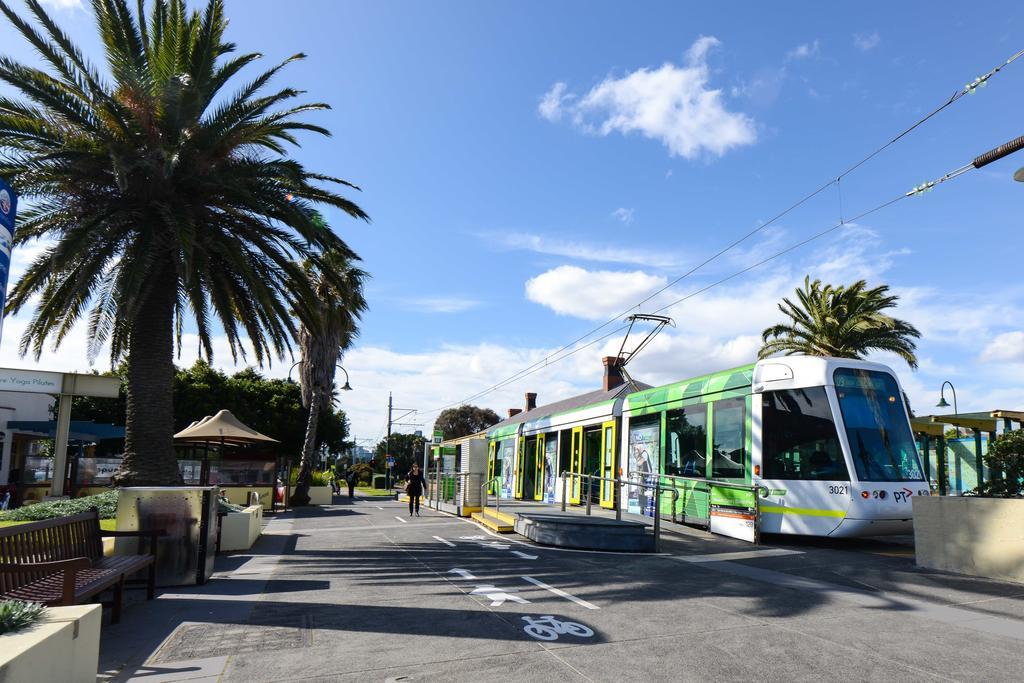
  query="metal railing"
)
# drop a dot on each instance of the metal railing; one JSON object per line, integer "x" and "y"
{"x": 485, "y": 495}
{"x": 715, "y": 483}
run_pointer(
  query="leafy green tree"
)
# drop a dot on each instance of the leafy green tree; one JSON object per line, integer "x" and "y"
{"x": 840, "y": 321}
{"x": 405, "y": 448}
{"x": 339, "y": 304}
{"x": 465, "y": 420}
{"x": 1005, "y": 459}
{"x": 271, "y": 406}
{"x": 166, "y": 197}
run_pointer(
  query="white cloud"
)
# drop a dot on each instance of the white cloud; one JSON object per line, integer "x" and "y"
{"x": 804, "y": 50}
{"x": 63, "y": 4}
{"x": 583, "y": 251}
{"x": 450, "y": 304}
{"x": 1006, "y": 347}
{"x": 590, "y": 294}
{"x": 866, "y": 41}
{"x": 550, "y": 106}
{"x": 624, "y": 215}
{"x": 671, "y": 104}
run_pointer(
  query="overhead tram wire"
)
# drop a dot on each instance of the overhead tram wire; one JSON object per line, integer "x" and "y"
{"x": 970, "y": 88}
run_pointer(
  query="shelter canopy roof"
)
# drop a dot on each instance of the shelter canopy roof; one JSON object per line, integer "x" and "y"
{"x": 222, "y": 427}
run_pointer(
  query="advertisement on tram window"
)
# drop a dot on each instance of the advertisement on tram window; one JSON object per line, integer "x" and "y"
{"x": 550, "y": 465}
{"x": 642, "y": 461}
{"x": 508, "y": 463}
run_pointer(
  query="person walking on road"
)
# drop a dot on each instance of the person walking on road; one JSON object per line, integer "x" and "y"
{"x": 414, "y": 488}
{"x": 350, "y": 478}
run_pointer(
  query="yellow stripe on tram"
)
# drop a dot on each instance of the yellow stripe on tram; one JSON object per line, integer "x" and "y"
{"x": 805, "y": 512}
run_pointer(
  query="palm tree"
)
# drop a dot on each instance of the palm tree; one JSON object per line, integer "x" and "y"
{"x": 843, "y": 321}
{"x": 165, "y": 199}
{"x": 339, "y": 305}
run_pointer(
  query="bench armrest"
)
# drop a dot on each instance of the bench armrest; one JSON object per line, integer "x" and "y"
{"x": 151, "y": 534}
{"x": 68, "y": 567}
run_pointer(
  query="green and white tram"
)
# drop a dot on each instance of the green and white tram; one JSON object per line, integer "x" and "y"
{"x": 827, "y": 442}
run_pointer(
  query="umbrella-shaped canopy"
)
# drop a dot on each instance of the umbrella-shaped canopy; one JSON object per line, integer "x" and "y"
{"x": 223, "y": 427}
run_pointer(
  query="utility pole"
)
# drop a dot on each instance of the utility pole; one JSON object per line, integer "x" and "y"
{"x": 394, "y": 421}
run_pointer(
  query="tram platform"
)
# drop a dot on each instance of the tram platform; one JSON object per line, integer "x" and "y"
{"x": 572, "y": 530}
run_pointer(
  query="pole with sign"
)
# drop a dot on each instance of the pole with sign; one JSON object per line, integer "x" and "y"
{"x": 8, "y": 210}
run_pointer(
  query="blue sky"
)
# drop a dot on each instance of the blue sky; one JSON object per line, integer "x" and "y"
{"x": 535, "y": 168}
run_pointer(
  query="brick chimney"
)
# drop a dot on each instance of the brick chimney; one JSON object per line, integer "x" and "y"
{"x": 531, "y": 401}
{"x": 612, "y": 372}
{"x": 512, "y": 412}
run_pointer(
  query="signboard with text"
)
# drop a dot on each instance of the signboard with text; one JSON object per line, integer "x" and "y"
{"x": 8, "y": 210}
{"x": 30, "y": 381}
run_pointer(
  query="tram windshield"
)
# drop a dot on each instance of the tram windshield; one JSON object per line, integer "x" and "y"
{"x": 882, "y": 446}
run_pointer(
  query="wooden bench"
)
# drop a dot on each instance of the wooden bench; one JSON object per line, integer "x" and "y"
{"x": 60, "y": 562}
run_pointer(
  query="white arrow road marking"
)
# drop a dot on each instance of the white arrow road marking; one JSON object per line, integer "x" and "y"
{"x": 496, "y": 545}
{"x": 559, "y": 592}
{"x": 473, "y": 538}
{"x": 498, "y": 596}
{"x": 448, "y": 543}
{"x": 403, "y": 521}
{"x": 464, "y": 573}
{"x": 522, "y": 555}
{"x": 379, "y": 507}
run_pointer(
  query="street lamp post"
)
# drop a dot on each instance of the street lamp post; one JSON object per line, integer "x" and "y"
{"x": 943, "y": 404}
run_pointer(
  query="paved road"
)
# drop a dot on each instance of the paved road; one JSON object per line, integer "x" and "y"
{"x": 363, "y": 593}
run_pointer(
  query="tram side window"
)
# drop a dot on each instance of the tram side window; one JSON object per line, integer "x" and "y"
{"x": 687, "y": 451}
{"x": 564, "y": 451}
{"x": 799, "y": 439}
{"x": 729, "y": 456}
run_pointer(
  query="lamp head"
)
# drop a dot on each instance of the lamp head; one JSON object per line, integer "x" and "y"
{"x": 942, "y": 403}
{"x": 347, "y": 386}
{"x": 1019, "y": 175}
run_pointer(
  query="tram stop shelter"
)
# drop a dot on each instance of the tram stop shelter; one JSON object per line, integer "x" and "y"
{"x": 243, "y": 460}
{"x": 954, "y": 465}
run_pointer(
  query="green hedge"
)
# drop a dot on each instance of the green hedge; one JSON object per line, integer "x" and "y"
{"x": 316, "y": 478}
{"x": 106, "y": 502}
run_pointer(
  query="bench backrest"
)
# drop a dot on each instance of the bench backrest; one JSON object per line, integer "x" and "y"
{"x": 62, "y": 538}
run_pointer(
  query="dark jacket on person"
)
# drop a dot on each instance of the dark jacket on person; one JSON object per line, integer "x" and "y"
{"x": 415, "y": 485}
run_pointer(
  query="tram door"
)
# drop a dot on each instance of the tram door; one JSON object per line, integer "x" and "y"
{"x": 576, "y": 465}
{"x": 591, "y": 465}
{"x": 538, "y": 480}
{"x": 608, "y": 464}
{"x": 527, "y": 469}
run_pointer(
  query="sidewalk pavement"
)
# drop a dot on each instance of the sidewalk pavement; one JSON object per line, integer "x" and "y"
{"x": 363, "y": 592}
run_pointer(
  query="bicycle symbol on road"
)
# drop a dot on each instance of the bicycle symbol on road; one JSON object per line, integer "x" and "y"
{"x": 549, "y": 628}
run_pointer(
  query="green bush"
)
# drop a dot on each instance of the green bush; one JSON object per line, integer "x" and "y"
{"x": 364, "y": 473}
{"x": 1005, "y": 459}
{"x": 16, "y": 615}
{"x": 316, "y": 478}
{"x": 106, "y": 502}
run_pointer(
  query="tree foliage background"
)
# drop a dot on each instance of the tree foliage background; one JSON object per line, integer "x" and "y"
{"x": 465, "y": 420}
{"x": 406, "y": 449}
{"x": 270, "y": 406}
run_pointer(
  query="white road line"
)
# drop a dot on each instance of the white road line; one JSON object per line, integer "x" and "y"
{"x": 403, "y": 521}
{"x": 559, "y": 592}
{"x": 448, "y": 543}
{"x": 379, "y": 507}
{"x": 522, "y": 555}
{"x": 739, "y": 555}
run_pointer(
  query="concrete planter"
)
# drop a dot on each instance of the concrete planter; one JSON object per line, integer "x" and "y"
{"x": 63, "y": 646}
{"x": 320, "y": 495}
{"x": 239, "y": 530}
{"x": 969, "y": 535}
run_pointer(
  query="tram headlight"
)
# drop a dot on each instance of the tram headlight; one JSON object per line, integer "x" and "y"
{"x": 865, "y": 495}
{"x": 881, "y": 495}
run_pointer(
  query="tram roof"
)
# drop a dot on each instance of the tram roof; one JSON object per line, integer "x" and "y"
{"x": 724, "y": 380}
{"x": 567, "y": 404}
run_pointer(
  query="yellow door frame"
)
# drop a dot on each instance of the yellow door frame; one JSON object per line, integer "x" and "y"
{"x": 520, "y": 467}
{"x": 608, "y": 464}
{"x": 576, "y": 466}
{"x": 538, "y": 482}
{"x": 492, "y": 461}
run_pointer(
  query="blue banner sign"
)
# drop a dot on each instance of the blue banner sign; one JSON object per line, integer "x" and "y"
{"x": 8, "y": 210}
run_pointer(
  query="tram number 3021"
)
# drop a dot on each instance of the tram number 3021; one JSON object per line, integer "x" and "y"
{"x": 841, "y": 490}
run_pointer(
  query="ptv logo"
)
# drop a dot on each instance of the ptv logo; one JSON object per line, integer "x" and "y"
{"x": 903, "y": 495}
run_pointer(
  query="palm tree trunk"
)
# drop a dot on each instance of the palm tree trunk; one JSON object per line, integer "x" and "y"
{"x": 149, "y": 458}
{"x": 301, "y": 495}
